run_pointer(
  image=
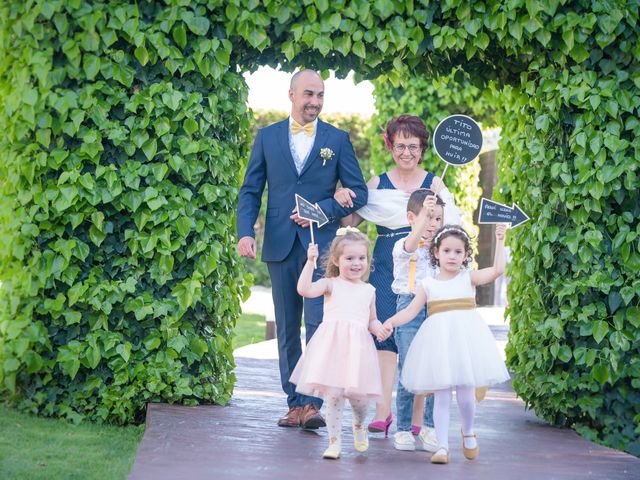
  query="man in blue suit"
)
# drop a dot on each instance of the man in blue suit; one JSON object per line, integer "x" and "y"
{"x": 286, "y": 155}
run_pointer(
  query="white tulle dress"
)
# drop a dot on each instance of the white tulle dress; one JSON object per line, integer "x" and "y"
{"x": 453, "y": 347}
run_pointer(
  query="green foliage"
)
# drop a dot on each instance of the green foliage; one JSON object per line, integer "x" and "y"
{"x": 124, "y": 126}
{"x": 576, "y": 281}
{"x": 570, "y": 157}
{"x": 122, "y": 129}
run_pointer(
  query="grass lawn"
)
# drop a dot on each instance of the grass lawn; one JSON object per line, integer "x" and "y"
{"x": 43, "y": 448}
{"x": 249, "y": 329}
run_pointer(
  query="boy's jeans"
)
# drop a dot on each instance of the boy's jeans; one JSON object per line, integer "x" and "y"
{"x": 403, "y": 336}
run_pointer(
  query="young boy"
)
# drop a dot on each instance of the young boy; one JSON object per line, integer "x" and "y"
{"x": 425, "y": 212}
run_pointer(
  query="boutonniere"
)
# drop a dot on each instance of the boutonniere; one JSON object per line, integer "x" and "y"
{"x": 326, "y": 154}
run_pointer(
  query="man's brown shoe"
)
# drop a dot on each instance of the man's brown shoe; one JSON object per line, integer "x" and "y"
{"x": 292, "y": 418}
{"x": 311, "y": 418}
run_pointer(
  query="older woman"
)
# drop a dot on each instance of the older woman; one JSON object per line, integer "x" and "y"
{"x": 406, "y": 138}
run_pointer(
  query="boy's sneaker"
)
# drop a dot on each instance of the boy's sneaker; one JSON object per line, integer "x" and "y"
{"x": 427, "y": 439}
{"x": 404, "y": 441}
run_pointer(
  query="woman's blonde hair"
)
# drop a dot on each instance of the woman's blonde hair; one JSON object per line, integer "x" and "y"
{"x": 337, "y": 246}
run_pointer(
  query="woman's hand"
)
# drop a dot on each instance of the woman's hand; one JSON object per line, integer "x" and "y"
{"x": 343, "y": 196}
{"x": 436, "y": 185}
{"x": 297, "y": 219}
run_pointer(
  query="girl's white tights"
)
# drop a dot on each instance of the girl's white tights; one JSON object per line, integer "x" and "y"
{"x": 334, "y": 410}
{"x": 442, "y": 412}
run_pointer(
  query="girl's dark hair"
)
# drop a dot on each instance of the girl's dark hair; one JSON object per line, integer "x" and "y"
{"x": 408, "y": 126}
{"x": 450, "y": 231}
{"x": 335, "y": 250}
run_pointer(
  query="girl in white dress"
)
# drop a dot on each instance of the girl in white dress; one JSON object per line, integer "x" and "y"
{"x": 454, "y": 348}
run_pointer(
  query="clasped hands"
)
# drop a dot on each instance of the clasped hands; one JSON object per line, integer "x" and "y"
{"x": 383, "y": 331}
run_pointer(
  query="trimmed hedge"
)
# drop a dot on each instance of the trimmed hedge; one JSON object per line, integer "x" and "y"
{"x": 108, "y": 110}
{"x": 570, "y": 158}
{"x": 122, "y": 129}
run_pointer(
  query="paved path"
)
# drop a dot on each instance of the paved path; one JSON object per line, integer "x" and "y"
{"x": 242, "y": 441}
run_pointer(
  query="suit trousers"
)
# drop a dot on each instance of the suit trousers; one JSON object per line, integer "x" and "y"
{"x": 288, "y": 306}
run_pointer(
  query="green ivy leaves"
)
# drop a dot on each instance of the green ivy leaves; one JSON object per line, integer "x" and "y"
{"x": 116, "y": 198}
{"x": 575, "y": 287}
{"x": 124, "y": 127}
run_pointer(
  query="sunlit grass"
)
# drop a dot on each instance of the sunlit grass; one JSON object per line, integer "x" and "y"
{"x": 44, "y": 448}
{"x": 249, "y": 329}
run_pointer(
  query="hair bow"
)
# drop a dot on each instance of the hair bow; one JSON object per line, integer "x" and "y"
{"x": 344, "y": 230}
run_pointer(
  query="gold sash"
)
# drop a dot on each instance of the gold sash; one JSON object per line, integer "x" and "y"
{"x": 439, "y": 306}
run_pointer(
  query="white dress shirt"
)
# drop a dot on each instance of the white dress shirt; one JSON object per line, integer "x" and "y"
{"x": 301, "y": 144}
{"x": 401, "y": 260}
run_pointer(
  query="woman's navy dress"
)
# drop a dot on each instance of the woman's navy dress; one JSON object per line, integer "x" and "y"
{"x": 382, "y": 275}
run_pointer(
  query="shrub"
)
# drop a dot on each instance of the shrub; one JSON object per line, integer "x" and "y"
{"x": 120, "y": 284}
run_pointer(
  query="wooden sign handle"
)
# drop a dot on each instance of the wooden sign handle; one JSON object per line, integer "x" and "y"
{"x": 315, "y": 265}
{"x": 445, "y": 170}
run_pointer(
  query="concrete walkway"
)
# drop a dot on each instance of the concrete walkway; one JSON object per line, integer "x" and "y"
{"x": 242, "y": 441}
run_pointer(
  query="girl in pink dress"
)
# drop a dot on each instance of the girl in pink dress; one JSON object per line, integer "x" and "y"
{"x": 341, "y": 360}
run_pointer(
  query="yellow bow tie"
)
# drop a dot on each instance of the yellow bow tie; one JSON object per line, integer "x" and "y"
{"x": 307, "y": 129}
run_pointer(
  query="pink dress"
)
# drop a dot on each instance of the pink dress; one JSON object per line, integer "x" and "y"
{"x": 341, "y": 358}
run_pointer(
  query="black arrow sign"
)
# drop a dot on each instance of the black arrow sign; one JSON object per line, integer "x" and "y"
{"x": 494, "y": 212}
{"x": 309, "y": 211}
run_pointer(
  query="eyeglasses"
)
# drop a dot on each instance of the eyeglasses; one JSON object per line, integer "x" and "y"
{"x": 413, "y": 149}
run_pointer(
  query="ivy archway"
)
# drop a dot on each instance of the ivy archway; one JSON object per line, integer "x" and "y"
{"x": 123, "y": 137}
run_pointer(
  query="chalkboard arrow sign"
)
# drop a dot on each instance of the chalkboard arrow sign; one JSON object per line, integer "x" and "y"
{"x": 457, "y": 139}
{"x": 494, "y": 212}
{"x": 311, "y": 212}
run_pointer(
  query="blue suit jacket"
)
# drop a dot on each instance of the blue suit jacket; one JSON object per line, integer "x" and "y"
{"x": 271, "y": 162}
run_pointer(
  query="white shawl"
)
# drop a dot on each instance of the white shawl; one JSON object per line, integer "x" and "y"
{"x": 388, "y": 208}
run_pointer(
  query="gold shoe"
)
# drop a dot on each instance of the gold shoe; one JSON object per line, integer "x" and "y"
{"x": 360, "y": 438}
{"x": 333, "y": 451}
{"x": 441, "y": 456}
{"x": 469, "y": 453}
{"x": 480, "y": 393}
